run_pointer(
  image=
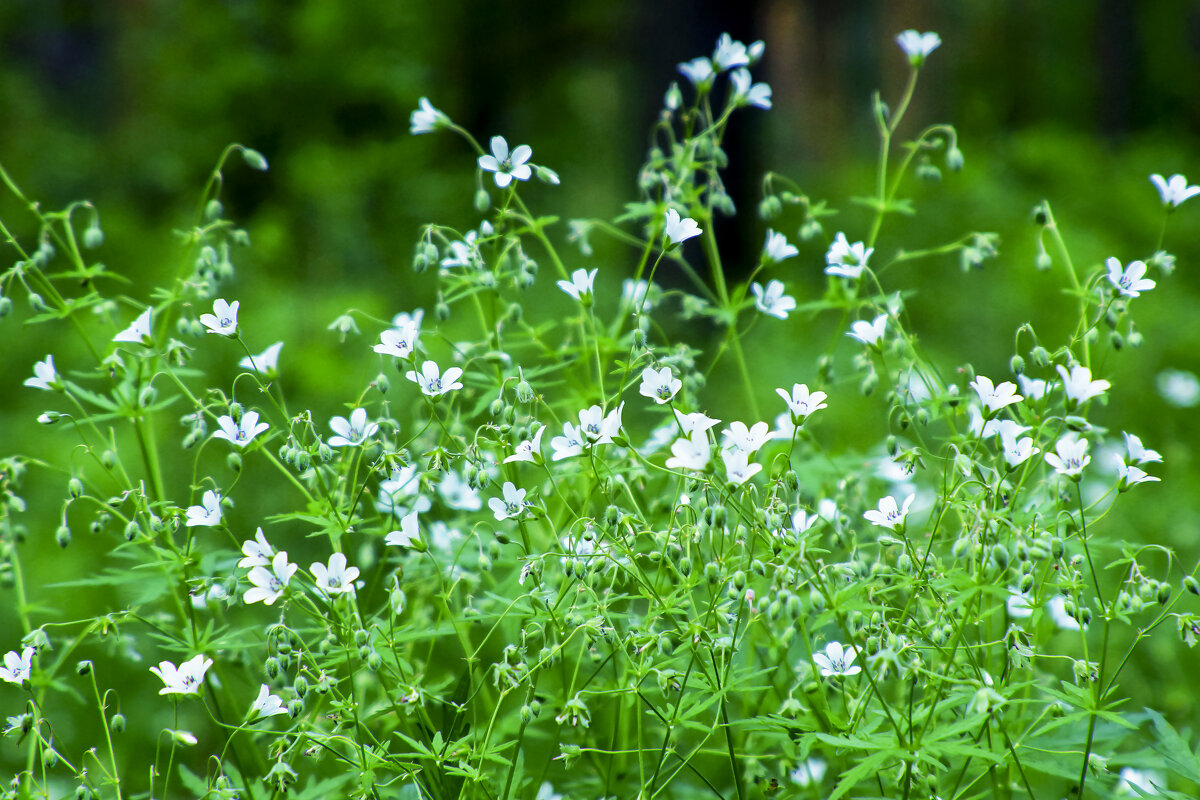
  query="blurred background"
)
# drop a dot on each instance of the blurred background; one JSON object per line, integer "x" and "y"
{"x": 127, "y": 103}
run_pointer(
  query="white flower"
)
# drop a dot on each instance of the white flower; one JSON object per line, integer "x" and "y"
{"x": 580, "y": 285}
{"x": 266, "y": 704}
{"x": 810, "y": 772}
{"x": 400, "y": 493}
{"x": 917, "y": 46}
{"x": 433, "y": 381}
{"x": 1033, "y": 388}
{"x": 995, "y": 397}
{"x": 1058, "y": 612}
{"x": 265, "y": 362}
{"x": 208, "y": 513}
{"x": 138, "y": 331}
{"x": 659, "y": 385}
{"x": 1179, "y": 387}
{"x": 1079, "y": 385}
{"x": 696, "y": 422}
{"x": 463, "y": 254}
{"x": 546, "y": 792}
{"x": 399, "y": 341}
{"x": 507, "y": 166}
{"x": 772, "y": 300}
{"x": 738, "y": 468}
{"x": 184, "y": 679}
{"x": 801, "y": 402}
{"x": 730, "y": 53}
{"x": 1069, "y": 456}
{"x": 240, "y": 434}
{"x": 269, "y": 584}
{"x": 748, "y": 93}
{"x": 257, "y": 551}
{"x": 1175, "y": 190}
{"x": 690, "y": 452}
{"x": 223, "y": 320}
{"x": 636, "y": 295}
{"x": 17, "y": 668}
{"x": 802, "y": 522}
{"x": 44, "y": 376}
{"x": 458, "y": 493}
{"x": 776, "y": 248}
{"x": 869, "y": 333}
{"x": 699, "y": 71}
{"x": 845, "y": 259}
{"x": 678, "y": 230}
{"x": 569, "y": 445}
{"x": 426, "y": 118}
{"x": 336, "y": 578}
{"x": 1128, "y": 475}
{"x": 353, "y": 431}
{"x": 888, "y": 515}
{"x": 1137, "y": 453}
{"x": 596, "y": 427}
{"x": 837, "y": 660}
{"x": 745, "y": 441}
{"x": 409, "y": 532}
{"x": 1017, "y": 451}
{"x": 512, "y": 506}
{"x": 1129, "y": 281}
{"x": 1019, "y": 605}
{"x": 529, "y": 450}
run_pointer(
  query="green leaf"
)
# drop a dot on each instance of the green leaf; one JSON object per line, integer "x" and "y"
{"x": 868, "y": 766}
{"x": 1174, "y": 748}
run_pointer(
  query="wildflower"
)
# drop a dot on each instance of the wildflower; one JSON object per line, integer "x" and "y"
{"x": 507, "y": 166}
{"x": 512, "y": 506}
{"x": 776, "y": 248}
{"x": 426, "y": 118}
{"x": 208, "y": 513}
{"x": 690, "y": 452}
{"x": 729, "y": 54}
{"x": 529, "y": 450}
{"x": 801, "y": 402}
{"x": 240, "y": 434}
{"x": 269, "y": 584}
{"x": 699, "y": 71}
{"x": 458, "y": 493}
{"x": 400, "y": 493}
{"x": 802, "y": 522}
{"x": 738, "y": 468}
{"x": 1179, "y": 387}
{"x": 637, "y": 295}
{"x": 696, "y": 422}
{"x": 748, "y": 93}
{"x": 1057, "y": 607}
{"x": 995, "y": 397}
{"x": 1033, "y": 388}
{"x": 433, "y": 381}
{"x": 746, "y": 441}
{"x": 257, "y": 551}
{"x": 679, "y": 230}
{"x": 580, "y": 285}
{"x": 575, "y": 713}
{"x": 889, "y": 515}
{"x": 809, "y": 772}
{"x": 1173, "y": 191}
{"x": 265, "y": 362}
{"x": 837, "y": 660}
{"x": 267, "y": 704}
{"x": 1017, "y": 451}
{"x": 1128, "y": 475}
{"x": 869, "y": 333}
{"x": 17, "y": 668}
{"x": 1069, "y": 457}
{"x": 596, "y": 427}
{"x": 353, "y": 431}
{"x": 1137, "y": 453}
{"x": 336, "y": 578}
{"x": 223, "y": 320}
{"x": 546, "y": 792}
{"x": 1129, "y": 281}
{"x": 463, "y": 254}
{"x": 138, "y": 331}
{"x": 1019, "y": 604}
{"x": 399, "y": 341}
{"x": 659, "y": 385}
{"x": 845, "y": 259}
{"x": 1079, "y": 385}
{"x": 45, "y": 376}
{"x": 772, "y": 300}
{"x": 408, "y": 534}
{"x": 184, "y": 679}
{"x": 569, "y": 445}
{"x": 918, "y": 46}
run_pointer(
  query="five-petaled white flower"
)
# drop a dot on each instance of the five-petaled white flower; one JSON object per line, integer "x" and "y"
{"x": 888, "y": 515}
{"x": 458, "y": 493}
{"x": 748, "y": 93}
{"x": 208, "y": 513}
{"x": 580, "y": 285}
{"x": 336, "y": 578}
{"x": 597, "y": 427}
{"x": 679, "y": 230}
{"x": 1137, "y": 453}
{"x": 569, "y": 445}
{"x": 738, "y": 438}
{"x": 699, "y": 71}
{"x": 506, "y": 165}
{"x": 801, "y": 402}
{"x": 267, "y": 704}
{"x": 659, "y": 384}
{"x": 240, "y": 434}
{"x": 730, "y": 53}
{"x": 772, "y": 300}
{"x": 512, "y": 506}
{"x": 269, "y": 584}
{"x": 45, "y": 376}
{"x": 837, "y": 660}
{"x": 995, "y": 397}
{"x": 1129, "y": 281}
{"x": 138, "y": 331}
{"x": 1019, "y": 604}
{"x": 184, "y": 679}
{"x": 1017, "y": 451}
{"x": 257, "y": 552}
{"x": 690, "y": 452}
{"x": 352, "y": 431}
{"x": 223, "y": 320}
{"x": 738, "y": 468}
{"x": 776, "y": 248}
{"x": 1034, "y": 388}
{"x": 1057, "y": 606}
{"x": 1078, "y": 383}
{"x": 433, "y": 381}
{"x": 529, "y": 450}
{"x": 17, "y": 668}
{"x": 1173, "y": 191}
{"x": 1128, "y": 475}
{"x": 409, "y": 532}
{"x": 1069, "y": 456}
{"x": 869, "y": 333}
{"x": 695, "y": 421}
{"x": 845, "y": 259}
{"x": 918, "y": 46}
{"x": 426, "y": 118}
{"x": 399, "y": 341}
{"x": 266, "y": 362}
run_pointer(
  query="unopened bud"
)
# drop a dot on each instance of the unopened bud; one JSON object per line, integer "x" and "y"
{"x": 482, "y": 200}
{"x": 254, "y": 159}
{"x": 62, "y": 536}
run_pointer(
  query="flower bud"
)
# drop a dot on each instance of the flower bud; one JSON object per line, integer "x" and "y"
{"x": 131, "y": 531}
{"x": 999, "y": 556}
{"x": 1040, "y": 356}
{"x": 712, "y": 573}
{"x": 524, "y": 392}
{"x": 441, "y": 310}
{"x": 93, "y": 236}
{"x": 213, "y": 209}
{"x": 271, "y": 667}
{"x": 1163, "y": 593}
{"x": 63, "y": 536}
{"x": 482, "y": 200}
{"x": 295, "y": 707}
{"x": 301, "y": 686}
{"x": 84, "y": 667}
{"x": 254, "y": 159}
{"x": 1190, "y": 584}
{"x": 50, "y": 757}
{"x": 1043, "y": 261}
{"x": 374, "y": 661}
{"x": 75, "y": 487}
{"x": 1017, "y": 365}
{"x": 1134, "y": 339}
{"x": 37, "y": 303}
{"x": 5, "y": 306}
{"x": 234, "y": 461}
{"x": 770, "y": 207}
{"x": 954, "y": 159}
